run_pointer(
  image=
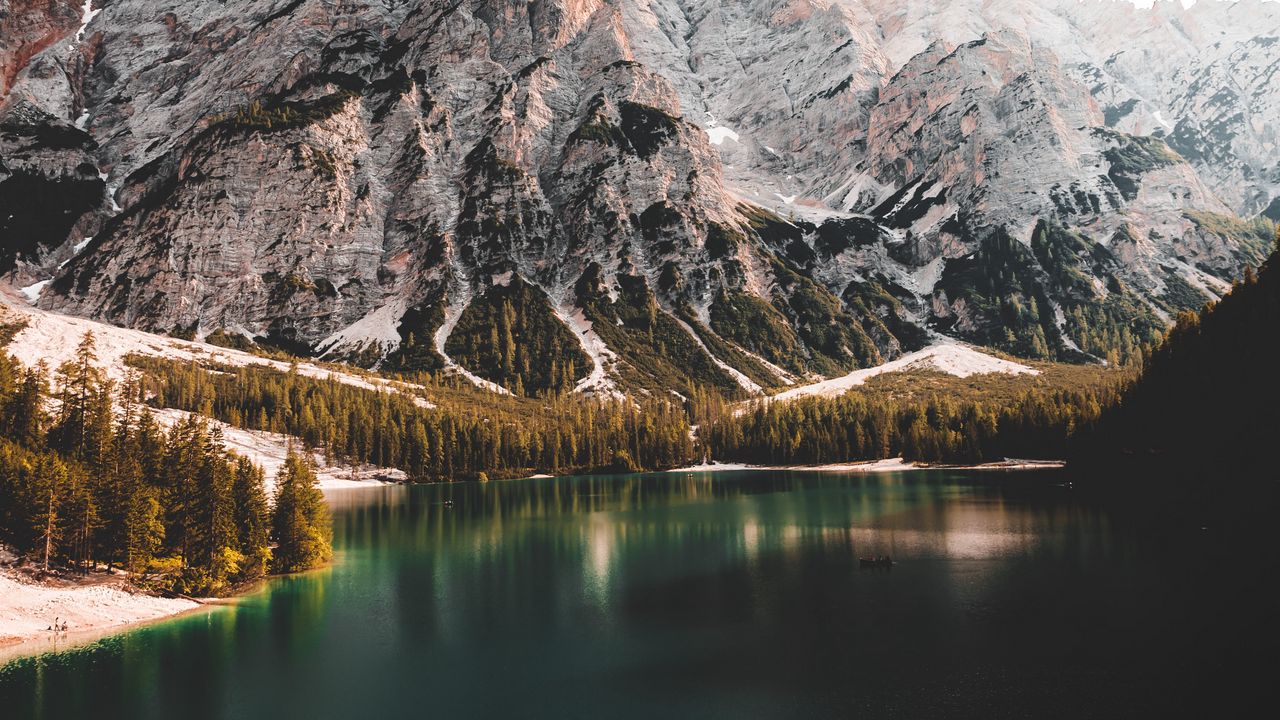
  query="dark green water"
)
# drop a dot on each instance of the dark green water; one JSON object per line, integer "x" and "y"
{"x": 734, "y": 595}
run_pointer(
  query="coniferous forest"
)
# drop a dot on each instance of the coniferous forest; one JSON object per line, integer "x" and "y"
{"x": 923, "y": 417}
{"x": 455, "y": 436}
{"x": 89, "y": 479}
{"x": 1204, "y": 406}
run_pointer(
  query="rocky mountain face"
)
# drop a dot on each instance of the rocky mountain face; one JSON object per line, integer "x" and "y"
{"x": 637, "y": 194}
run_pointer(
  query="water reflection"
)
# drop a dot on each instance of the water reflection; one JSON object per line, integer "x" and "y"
{"x": 684, "y": 594}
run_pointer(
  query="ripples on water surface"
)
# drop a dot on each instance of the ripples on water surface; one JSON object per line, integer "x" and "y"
{"x": 731, "y": 595}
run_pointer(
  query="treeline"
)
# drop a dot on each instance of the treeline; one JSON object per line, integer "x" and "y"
{"x": 452, "y": 439}
{"x": 927, "y": 417}
{"x": 509, "y": 335}
{"x": 98, "y": 481}
{"x": 1205, "y": 406}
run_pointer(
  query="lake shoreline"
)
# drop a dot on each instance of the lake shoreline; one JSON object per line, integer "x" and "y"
{"x": 92, "y": 606}
{"x": 135, "y": 608}
{"x": 101, "y": 605}
{"x": 882, "y": 466}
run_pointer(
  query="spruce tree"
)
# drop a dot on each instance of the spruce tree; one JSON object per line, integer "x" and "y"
{"x": 144, "y": 530}
{"x": 80, "y": 380}
{"x": 212, "y": 540}
{"x": 252, "y": 519}
{"x": 49, "y": 491}
{"x": 300, "y": 522}
{"x": 23, "y": 416}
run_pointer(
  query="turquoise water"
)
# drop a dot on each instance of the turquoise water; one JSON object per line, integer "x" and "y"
{"x": 734, "y": 595}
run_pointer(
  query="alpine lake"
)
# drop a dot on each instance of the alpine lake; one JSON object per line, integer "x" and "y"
{"x": 735, "y": 594}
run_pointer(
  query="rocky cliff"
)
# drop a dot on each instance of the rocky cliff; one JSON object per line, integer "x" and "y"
{"x": 647, "y": 194}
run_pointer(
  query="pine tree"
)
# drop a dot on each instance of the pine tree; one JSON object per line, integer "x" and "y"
{"x": 213, "y": 537}
{"x": 23, "y": 416}
{"x": 80, "y": 380}
{"x": 49, "y": 490}
{"x": 252, "y": 519}
{"x": 300, "y": 520}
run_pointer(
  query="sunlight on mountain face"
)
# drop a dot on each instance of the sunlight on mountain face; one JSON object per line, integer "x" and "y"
{"x": 622, "y": 358}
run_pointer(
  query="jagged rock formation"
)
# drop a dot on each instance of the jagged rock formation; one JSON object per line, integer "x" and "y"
{"x": 728, "y": 194}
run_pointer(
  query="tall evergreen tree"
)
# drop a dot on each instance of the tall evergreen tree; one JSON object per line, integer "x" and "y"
{"x": 300, "y": 522}
{"x": 80, "y": 381}
{"x": 49, "y": 491}
{"x": 22, "y": 417}
{"x": 252, "y": 518}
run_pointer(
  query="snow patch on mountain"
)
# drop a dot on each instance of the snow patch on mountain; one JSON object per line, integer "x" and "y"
{"x": 602, "y": 358}
{"x": 32, "y": 292}
{"x": 380, "y": 328}
{"x": 948, "y": 357}
{"x": 52, "y": 339}
{"x": 718, "y": 133}
{"x": 87, "y": 14}
{"x": 269, "y": 451}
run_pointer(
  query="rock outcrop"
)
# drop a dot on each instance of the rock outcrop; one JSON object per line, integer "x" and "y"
{"x": 703, "y": 193}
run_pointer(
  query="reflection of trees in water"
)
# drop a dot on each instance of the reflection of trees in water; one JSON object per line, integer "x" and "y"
{"x": 661, "y": 587}
{"x": 296, "y": 612}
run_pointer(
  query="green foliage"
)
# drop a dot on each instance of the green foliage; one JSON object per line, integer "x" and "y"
{"x": 100, "y": 483}
{"x": 1107, "y": 321}
{"x": 757, "y": 326}
{"x": 1005, "y": 288}
{"x": 1252, "y": 240}
{"x": 1179, "y": 295}
{"x": 293, "y": 283}
{"x": 300, "y": 521}
{"x": 233, "y": 340}
{"x": 999, "y": 288}
{"x": 1131, "y": 156}
{"x": 323, "y": 162}
{"x": 250, "y": 515}
{"x": 927, "y": 417}
{"x": 647, "y": 128}
{"x": 598, "y": 128}
{"x": 466, "y": 431}
{"x": 883, "y": 316}
{"x": 660, "y": 356}
{"x": 727, "y": 352}
{"x": 510, "y": 335}
{"x": 834, "y": 341}
{"x": 723, "y": 241}
{"x": 417, "y": 351}
{"x": 1118, "y": 330}
{"x": 10, "y": 326}
{"x": 603, "y": 132}
{"x": 1071, "y": 260}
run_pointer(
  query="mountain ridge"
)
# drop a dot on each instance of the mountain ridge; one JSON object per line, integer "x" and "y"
{"x": 342, "y": 179}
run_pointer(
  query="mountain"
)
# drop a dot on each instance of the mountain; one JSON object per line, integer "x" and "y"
{"x": 640, "y": 195}
{"x": 1205, "y": 405}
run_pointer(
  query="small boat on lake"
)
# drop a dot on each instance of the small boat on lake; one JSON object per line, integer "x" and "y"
{"x": 875, "y": 562}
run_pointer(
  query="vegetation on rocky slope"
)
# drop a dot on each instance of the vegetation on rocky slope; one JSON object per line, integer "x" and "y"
{"x": 920, "y": 416}
{"x": 464, "y": 432}
{"x": 1205, "y": 402}
{"x": 511, "y": 336}
{"x": 657, "y": 354}
{"x": 98, "y": 481}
